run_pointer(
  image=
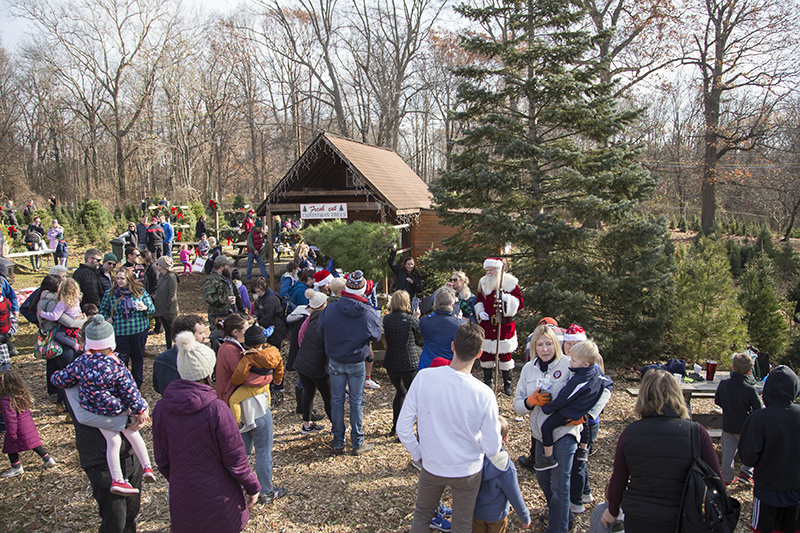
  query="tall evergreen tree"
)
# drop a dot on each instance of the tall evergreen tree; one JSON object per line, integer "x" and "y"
{"x": 767, "y": 327}
{"x": 542, "y": 165}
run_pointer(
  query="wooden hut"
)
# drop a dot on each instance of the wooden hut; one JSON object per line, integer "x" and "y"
{"x": 340, "y": 178}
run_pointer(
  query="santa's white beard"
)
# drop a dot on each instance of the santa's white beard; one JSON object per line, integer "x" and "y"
{"x": 489, "y": 284}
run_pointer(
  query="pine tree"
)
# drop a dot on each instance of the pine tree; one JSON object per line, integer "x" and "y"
{"x": 543, "y": 145}
{"x": 707, "y": 322}
{"x": 767, "y": 327}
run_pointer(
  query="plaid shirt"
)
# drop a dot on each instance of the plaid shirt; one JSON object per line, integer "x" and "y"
{"x": 5, "y": 357}
{"x": 139, "y": 321}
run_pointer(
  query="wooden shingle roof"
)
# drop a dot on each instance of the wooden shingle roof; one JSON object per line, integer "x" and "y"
{"x": 384, "y": 176}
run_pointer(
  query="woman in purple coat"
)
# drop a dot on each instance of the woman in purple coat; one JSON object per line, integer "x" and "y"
{"x": 199, "y": 450}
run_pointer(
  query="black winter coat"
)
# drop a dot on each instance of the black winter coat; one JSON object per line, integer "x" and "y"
{"x": 268, "y": 311}
{"x": 737, "y": 399}
{"x": 402, "y": 353}
{"x": 89, "y": 280}
{"x": 311, "y": 360}
{"x": 414, "y": 289}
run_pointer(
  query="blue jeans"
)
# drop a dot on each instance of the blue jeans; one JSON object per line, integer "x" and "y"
{"x": 261, "y": 437}
{"x": 261, "y": 265}
{"x": 353, "y": 375}
{"x": 167, "y": 248}
{"x": 579, "y": 478}
{"x": 555, "y": 483}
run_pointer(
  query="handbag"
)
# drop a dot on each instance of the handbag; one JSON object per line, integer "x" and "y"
{"x": 45, "y": 346}
{"x": 705, "y": 504}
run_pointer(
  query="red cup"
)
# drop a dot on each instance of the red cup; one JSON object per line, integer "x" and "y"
{"x": 711, "y": 368}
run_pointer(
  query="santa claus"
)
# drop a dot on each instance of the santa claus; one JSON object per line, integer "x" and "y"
{"x": 496, "y": 309}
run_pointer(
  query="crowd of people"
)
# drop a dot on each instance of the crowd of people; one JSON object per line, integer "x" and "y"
{"x": 216, "y": 401}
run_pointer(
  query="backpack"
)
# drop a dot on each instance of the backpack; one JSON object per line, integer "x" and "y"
{"x": 705, "y": 504}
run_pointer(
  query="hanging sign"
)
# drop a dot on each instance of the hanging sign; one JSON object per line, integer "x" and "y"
{"x": 308, "y": 211}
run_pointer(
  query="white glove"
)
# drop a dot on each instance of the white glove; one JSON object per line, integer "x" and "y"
{"x": 483, "y": 316}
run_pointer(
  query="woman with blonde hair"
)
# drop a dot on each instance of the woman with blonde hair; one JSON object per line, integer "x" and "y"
{"x": 302, "y": 256}
{"x": 129, "y": 307}
{"x": 401, "y": 328}
{"x": 540, "y": 381}
{"x": 653, "y": 457}
{"x": 459, "y": 282}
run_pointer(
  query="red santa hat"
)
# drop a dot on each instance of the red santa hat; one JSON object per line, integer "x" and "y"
{"x": 322, "y": 278}
{"x": 440, "y": 361}
{"x": 493, "y": 262}
{"x": 575, "y": 333}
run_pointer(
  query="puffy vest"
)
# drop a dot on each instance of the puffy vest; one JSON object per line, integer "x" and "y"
{"x": 658, "y": 451}
{"x": 258, "y": 241}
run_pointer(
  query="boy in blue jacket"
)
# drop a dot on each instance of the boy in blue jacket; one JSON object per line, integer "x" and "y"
{"x": 499, "y": 488}
{"x": 575, "y": 399}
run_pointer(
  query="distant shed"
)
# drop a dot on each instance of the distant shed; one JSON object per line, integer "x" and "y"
{"x": 375, "y": 184}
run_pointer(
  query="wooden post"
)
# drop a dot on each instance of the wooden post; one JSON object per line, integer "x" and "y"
{"x": 216, "y": 221}
{"x": 268, "y": 223}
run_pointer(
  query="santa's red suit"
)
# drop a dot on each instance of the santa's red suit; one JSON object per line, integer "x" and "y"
{"x": 508, "y": 330}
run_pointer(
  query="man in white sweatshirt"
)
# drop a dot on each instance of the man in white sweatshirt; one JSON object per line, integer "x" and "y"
{"x": 457, "y": 423}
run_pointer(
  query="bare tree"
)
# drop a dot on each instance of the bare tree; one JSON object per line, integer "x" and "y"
{"x": 738, "y": 45}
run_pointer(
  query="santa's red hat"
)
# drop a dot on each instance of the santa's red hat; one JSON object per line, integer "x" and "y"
{"x": 575, "y": 333}
{"x": 322, "y": 278}
{"x": 493, "y": 262}
{"x": 440, "y": 361}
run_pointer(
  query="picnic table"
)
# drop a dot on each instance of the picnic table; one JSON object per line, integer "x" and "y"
{"x": 46, "y": 252}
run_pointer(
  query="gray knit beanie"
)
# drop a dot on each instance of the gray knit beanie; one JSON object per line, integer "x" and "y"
{"x": 99, "y": 334}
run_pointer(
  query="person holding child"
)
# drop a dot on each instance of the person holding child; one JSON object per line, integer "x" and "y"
{"x": 106, "y": 395}
{"x": 21, "y": 434}
{"x": 229, "y": 355}
{"x": 576, "y": 398}
{"x": 738, "y": 399}
{"x": 541, "y": 379}
{"x": 499, "y": 488}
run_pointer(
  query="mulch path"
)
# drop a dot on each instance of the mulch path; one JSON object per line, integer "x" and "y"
{"x": 374, "y": 492}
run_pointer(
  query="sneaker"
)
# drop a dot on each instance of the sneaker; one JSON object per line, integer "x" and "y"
{"x": 444, "y": 510}
{"x": 731, "y": 482}
{"x": 310, "y": 429}
{"x": 338, "y": 451}
{"x": 526, "y": 462}
{"x": 545, "y": 462}
{"x": 49, "y": 462}
{"x": 278, "y": 492}
{"x": 440, "y": 523}
{"x": 370, "y": 384}
{"x": 587, "y": 498}
{"x": 13, "y": 471}
{"x": 123, "y": 488}
{"x": 416, "y": 464}
{"x": 577, "y": 508}
{"x": 745, "y": 477}
{"x": 147, "y": 475}
{"x": 582, "y": 455}
{"x": 364, "y": 448}
{"x": 316, "y": 417}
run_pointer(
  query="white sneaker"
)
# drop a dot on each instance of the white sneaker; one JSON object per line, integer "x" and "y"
{"x": 587, "y": 498}
{"x": 577, "y": 509}
{"x": 416, "y": 464}
{"x": 370, "y": 384}
{"x": 49, "y": 462}
{"x": 13, "y": 471}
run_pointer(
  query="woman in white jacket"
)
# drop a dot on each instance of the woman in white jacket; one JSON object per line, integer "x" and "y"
{"x": 540, "y": 381}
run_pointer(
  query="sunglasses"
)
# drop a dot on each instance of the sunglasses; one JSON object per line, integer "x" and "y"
{"x": 454, "y": 279}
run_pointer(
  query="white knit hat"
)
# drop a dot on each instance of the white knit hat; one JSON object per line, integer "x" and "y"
{"x": 316, "y": 299}
{"x": 196, "y": 361}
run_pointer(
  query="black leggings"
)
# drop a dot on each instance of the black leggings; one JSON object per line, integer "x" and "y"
{"x": 167, "y": 330}
{"x": 402, "y": 382}
{"x": 14, "y": 457}
{"x": 323, "y": 385}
